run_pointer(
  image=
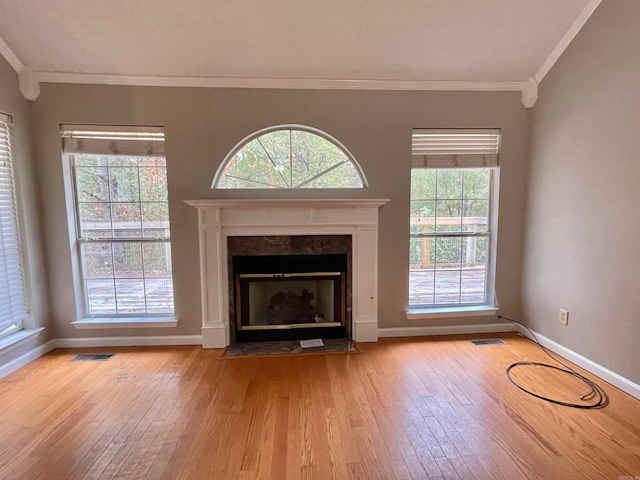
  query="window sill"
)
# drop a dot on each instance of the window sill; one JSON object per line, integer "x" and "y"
{"x": 128, "y": 322}
{"x": 450, "y": 312}
{"x": 18, "y": 338}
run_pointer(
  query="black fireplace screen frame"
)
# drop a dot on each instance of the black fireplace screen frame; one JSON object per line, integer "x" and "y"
{"x": 289, "y": 267}
{"x": 289, "y": 263}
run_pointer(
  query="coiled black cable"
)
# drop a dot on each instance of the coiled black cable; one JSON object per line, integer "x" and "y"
{"x": 595, "y": 393}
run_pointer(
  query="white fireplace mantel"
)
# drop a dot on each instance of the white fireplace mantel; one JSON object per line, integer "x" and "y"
{"x": 219, "y": 219}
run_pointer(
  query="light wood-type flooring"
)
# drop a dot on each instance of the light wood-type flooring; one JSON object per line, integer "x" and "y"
{"x": 413, "y": 408}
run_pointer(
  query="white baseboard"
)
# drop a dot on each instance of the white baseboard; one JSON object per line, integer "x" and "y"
{"x": 590, "y": 366}
{"x": 128, "y": 341}
{"x": 446, "y": 330}
{"x": 26, "y": 358}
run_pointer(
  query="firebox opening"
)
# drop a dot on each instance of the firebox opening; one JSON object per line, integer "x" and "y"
{"x": 283, "y": 297}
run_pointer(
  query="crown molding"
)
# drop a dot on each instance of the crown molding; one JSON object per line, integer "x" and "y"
{"x": 530, "y": 93}
{"x": 10, "y": 56}
{"x": 29, "y": 85}
{"x": 567, "y": 38}
{"x": 278, "y": 83}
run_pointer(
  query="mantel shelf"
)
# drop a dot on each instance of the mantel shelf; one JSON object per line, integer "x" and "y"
{"x": 289, "y": 203}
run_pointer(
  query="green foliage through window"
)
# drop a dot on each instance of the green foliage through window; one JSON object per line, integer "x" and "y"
{"x": 124, "y": 234}
{"x": 289, "y": 158}
{"x": 449, "y": 235}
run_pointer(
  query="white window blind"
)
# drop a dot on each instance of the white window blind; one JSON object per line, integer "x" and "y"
{"x": 113, "y": 140}
{"x": 13, "y": 307}
{"x": 452, "y": 148}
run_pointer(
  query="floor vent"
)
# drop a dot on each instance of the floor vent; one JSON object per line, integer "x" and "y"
{"x": 488, "y": 341}
{"x": 93, "y": 358}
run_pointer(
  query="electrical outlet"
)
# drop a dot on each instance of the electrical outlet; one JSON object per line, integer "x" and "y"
{"x": 563, "y": 316}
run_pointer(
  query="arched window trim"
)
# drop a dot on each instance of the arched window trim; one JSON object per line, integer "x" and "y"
{"x": 304, "y": 128}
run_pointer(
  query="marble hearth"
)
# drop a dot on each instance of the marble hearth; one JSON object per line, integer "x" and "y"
{"x": 219, "y": 220}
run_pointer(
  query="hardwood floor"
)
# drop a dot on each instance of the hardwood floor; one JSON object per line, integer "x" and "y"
{"x": 417, "y": 408}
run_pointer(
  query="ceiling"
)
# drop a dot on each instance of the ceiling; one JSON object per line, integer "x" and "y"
{"x": 477, "y": 41}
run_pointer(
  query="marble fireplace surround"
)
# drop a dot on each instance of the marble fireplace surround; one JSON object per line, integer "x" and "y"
{"x": 219, "y": 219}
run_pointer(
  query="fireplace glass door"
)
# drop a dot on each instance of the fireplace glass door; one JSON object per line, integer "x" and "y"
{"x": 290, "y": 300}
{"x": 290, "y": 297}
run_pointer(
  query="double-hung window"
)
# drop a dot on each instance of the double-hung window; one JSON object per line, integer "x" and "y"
{"x": 13, "y": 305}
{"x": 119, "y": 179}
{"x": 453, "y": 192}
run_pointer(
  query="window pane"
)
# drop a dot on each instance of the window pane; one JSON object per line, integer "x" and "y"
{"x": 448, "y": 215}
{"x": 157, "y": 259}
{"x": 159, "y": 295}
{"x": 152, "y": 162}
{"x": 123, "y": 183}
{"x": 473, "y": 285}
{"x": 137, "y": 282}
{"x": 422, "y": 216}
{"x": 277, "y": 146}
{"x": 343, "y": 176}
{"x": 157, "y": 270}
{"x": 126, "y": 220}
{"x": 90, "y": 161}
{"x": 124, "y": 278}
{"x": 290, "y": 158}
{"x": 155, "y": 220}
{"x": 480, "y": 253}
{"x": 251, "y": 167}
{"x": 476, "y": 216}
{"x": 447, "y": 270}
{"x": 130, "y": 293}
{"x": 119, "y": 161}
{"x": 423, "y": 183}
{"x": 92, "y": 184}
{"x": 98, "y": 262}
{"x": 313, "y": 156}
{"x": 101, "y": 297}
{"x": 449, "y": 183}
{"x": 95, "y": 219}
{"x": 421, "y": 271}
{"x": 127, "y": 260}
{"x": 477, "y": 183}
{"x": 155, "y": 212}
{"x": 153, "y": 184}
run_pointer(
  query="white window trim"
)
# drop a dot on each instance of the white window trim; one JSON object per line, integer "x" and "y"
{"x": 83, "y": 321}
{"x": 490, "y": 306}
{"x": 101, "y": 320}
{"x": 18, "y": 338}
{"x": 426, "y": 313}
{"x": 443, "y": 311}
{"x": 125, "y": 322}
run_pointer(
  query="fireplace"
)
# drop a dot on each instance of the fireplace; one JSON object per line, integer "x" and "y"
{"x": 222, "y": 220}
{"x": 290, "y": 297}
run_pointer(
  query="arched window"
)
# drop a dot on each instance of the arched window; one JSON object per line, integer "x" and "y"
{"x": 289, "y": 156}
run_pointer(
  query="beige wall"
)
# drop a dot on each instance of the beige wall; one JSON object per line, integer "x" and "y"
{"x": 583, "y": 230}
{"x": 202, "y": 125}
{"x": 12, "y": 103}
